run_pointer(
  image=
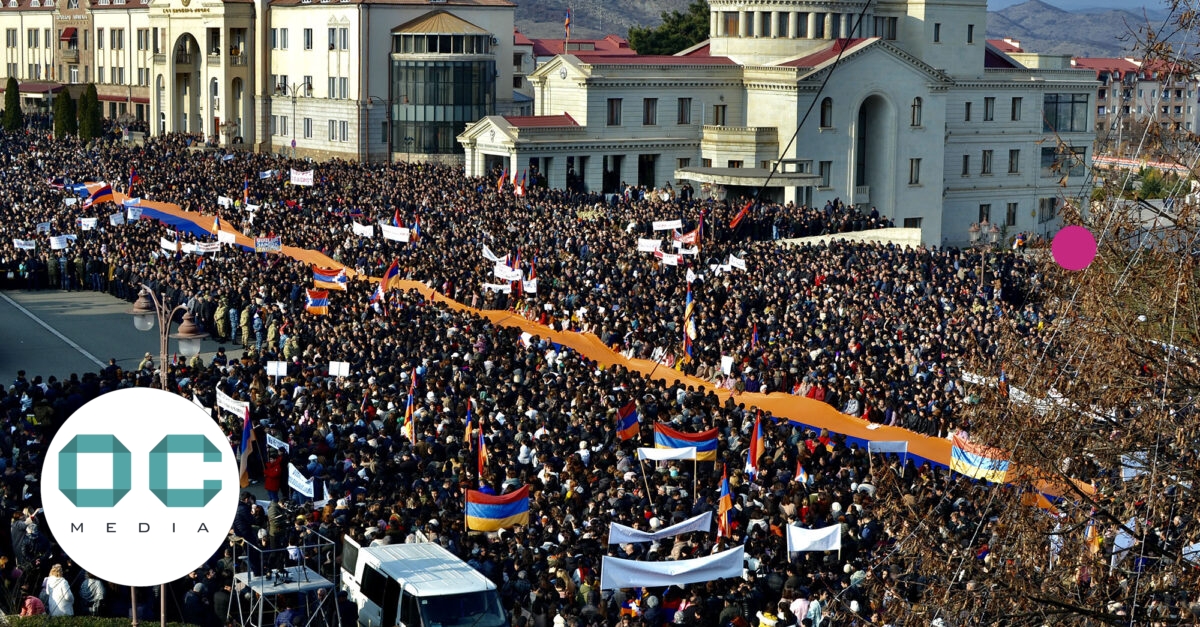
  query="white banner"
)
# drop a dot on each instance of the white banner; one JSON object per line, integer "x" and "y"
{"x": 226, "y": 237}
{"x": 302, "y": 178}
{"x": 734, "y": 262}
{"x": 620, "y": 534}
{"x": 224, "y": 201}
{"x": 297, "y": 481}
{"x": 363, "y": 230}
{"x": 277, "y": 368}
{"x": 88, "y": 224}
{"x": 394, "y": 233}
{"x": 666, "y": 454}
{"x": 505, "y": 273}
{"x": 824, "y": 539}
{"x": 648, "y": 245}
{"x": 884, "y": 446}
{"x": 726, "y": 364}
{"x": 70, "y": 201}
{"x": 275, "y": 442}
{"x": 667, "y": 225}
{"x": 226, "y": 402}
{"x": 619, "y": 573}
{"x": 492, "y": 287}
{"x": 116, "y": 219}
{"x": 58, "y": 242}
{"x": 689, "y": 251}
{"x": 339, "y": 368}
{"x": 691, "y": 276}
{"x": 169, "y": 245}
{"x": 491, "y": 256}
{"x": 208, "y": 247}
{"x": 135, "y": 213}
{"x": 43, "y": 227}
{"x": 530, "y": 286}
{"x": 132, "y": 202}
{"x": 668, "y": 259}
{"x": 25, "y": 244}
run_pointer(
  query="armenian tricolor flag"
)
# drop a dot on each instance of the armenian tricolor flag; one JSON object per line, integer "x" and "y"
{"x": 246, "y": 191}
{"x": 724, "y": 507}
{"x": 705, "y": 442}
{"x": 486, "y": 512}
{"x": 217, "y": 223}
{"x": 318, "y": 302}
{"x": 409, "y": 429}
{"x": 331, "y": 278}
{"x": 390, "y": 274}
{"x": 754, "y": 336}
{"x": 482, "y": 459}
{"x": 567, "y": 24}
{"x": 102, "y": 195}
{"x": 627, "y": 422}
{"x": 133, "y": 180}
{"x": 470, "y": 425}
{"x": 757, "y": 447}
{"x": 977, "y": 461}
{"x": 689, "y": 322}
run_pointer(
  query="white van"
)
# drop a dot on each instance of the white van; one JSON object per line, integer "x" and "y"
{"x": 417, "y": 585}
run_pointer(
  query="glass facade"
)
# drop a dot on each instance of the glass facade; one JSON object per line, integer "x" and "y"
{"x": 434, "y": 100}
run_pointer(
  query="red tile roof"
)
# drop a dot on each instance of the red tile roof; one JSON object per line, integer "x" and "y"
{"x": 1006, "y": 45}
{"x": 428, "y": 3}
{"x": 519, "y": 39}
{"x": 36, "y": 87}
{"x": 650, "y": 59}
{"x": 541, "y": 121}
{"x": 827, "y": 54}
{"x": 611, "y": 44}
{"x": 702, "y": 51}
{"x": 1111, "y": 65}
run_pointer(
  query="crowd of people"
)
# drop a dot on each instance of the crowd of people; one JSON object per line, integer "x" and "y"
{"x": 881, "y": 332}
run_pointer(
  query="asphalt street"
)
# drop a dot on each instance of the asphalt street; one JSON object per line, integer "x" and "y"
{"x": 57, "y": 333}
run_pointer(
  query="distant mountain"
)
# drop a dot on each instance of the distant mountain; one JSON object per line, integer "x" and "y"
{"x": 591, "y": 18}
{"x": 1047, "y": 29}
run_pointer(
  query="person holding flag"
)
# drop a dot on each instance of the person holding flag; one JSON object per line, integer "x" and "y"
{"x": 409, "y": 429}
{"x": 377, "y": 297}
{"x": 757, "y": 447}
{"x": 725, "y": 507}
{"x": 689, "y": 323}
{"x": 483, "y": 454}
{"x": 134, "y": 179}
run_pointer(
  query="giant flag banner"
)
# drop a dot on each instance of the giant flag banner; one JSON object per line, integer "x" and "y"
{"x": 486, "y": 512}
{"x": 705, "y": 442}
{"x": 621, "y": 573}
{"x": 620, "y": 534}
{"x": 977, "y": 461}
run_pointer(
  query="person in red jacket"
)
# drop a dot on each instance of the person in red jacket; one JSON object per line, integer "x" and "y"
{"x": 272, "y": 476}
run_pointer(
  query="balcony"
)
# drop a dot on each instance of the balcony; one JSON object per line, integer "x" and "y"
{"x": 160, "y": 58}
{"x": 238, "y": 60}
{"x": 214, "y": 60}
{"x": 70, "y": 55}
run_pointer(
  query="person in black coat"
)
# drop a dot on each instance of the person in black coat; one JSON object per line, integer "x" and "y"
{"x": 243, "y": 527}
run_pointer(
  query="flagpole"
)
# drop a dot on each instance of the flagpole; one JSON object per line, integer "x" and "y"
{"x": 646, "y": 479}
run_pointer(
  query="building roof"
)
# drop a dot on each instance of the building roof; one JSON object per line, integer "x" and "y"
{"x": 829, "y": 53}
{"x": 427, "y": 3}
{"x": 439, "y": 23}
{"x": 994, "y": 59}
{"x": 649, "y": 59}
{"x": 1111, "y": 65}
{"x": 611, "y": 44}
{"x": 702, "y": 49}
{"x": 1006, "y": 45}
{"x": 36, "y": 87}
{"x": 141, "y": 4}
{"x": 27, "y": 5}
{"x": 541, "y": 121}
{"x": 519, "y": 38}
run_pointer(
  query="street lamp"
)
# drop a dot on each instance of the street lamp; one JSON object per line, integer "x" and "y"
{"x": 388, "y": 117}
{"x": 408, "y": 143}
{"x": 294, "y": 87}
{"x": 147, "y": 309}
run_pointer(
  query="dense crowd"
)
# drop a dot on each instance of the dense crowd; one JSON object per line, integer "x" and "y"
{"x": 878, "y": 331}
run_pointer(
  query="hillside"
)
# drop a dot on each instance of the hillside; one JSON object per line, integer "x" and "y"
{"x": 591, "y": 18}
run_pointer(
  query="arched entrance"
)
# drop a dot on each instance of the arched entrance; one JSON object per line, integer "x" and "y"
{"x": 160, "y": 102}
{"x": 185, "y": 62}
{"x": 236, "y": 102}
{"x": 874, "y": 153}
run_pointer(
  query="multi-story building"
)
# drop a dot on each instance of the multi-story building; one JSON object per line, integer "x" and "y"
{"x": 920, "y": 116}
{"x": 352, "y": 79}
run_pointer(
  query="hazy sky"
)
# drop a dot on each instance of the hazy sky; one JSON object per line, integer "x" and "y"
{"x": 1075, "y": 5}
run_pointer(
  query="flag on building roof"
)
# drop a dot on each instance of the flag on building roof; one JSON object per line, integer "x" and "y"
{"x": 486, "y": 512}
{"x": 627, "y": 422}
{"x": 705, "y": 441}
{"x": 567, "y": 25}
{"x": 318, "y": 302}
{"x": 332, "y": 278}
{"x": 977, "y": 461}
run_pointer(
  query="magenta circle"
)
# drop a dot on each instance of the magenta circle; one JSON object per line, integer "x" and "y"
{"x": 1074, "y": 248}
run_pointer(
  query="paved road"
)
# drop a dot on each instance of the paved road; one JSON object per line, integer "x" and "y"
{"x": 59, "y": 333}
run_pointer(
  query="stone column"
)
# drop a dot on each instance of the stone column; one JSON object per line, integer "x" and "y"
{"x": 847, "y": 24}
{"x": 774, "y": 30}
{"x": 829, "y": 25}
{"x": 714, "y": 24}
{"x": 793, "y": 25}
{"x": 755, "y": 23}
{"x": 812, "y": 25}
{"x": 743, "y": 26}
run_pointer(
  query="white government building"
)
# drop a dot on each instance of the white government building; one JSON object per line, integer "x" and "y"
{"x": 922, "y": 117}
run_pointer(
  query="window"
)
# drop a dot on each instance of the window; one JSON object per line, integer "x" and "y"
{"x": 912, "y": 223}
{"x": 706, "y": 163}
{"x": 967, "y": 112}
{"x": 614, "y": 111}
{"x": 118, "y": 38}
{"x": 10, "y": 38}
{"x": 283, "y": 38}
{"x": 100, "y": 74}
{"x": 1066, "y": 113}
{"x": 1100, "y": 111}
{"x": 719, "y": 115}
{"x": 1014, "y": 161}
{"x": 937, "y": 33}
{"x": 143, "y": 76}
{"x": 970, "y": 33}
{"x": 987, "y": 162}
{"x": 32, "y": 36}
{"x": 683, "y": 162}
{"x": 985, "y": 213}
{"x": 306, "y": 86}
{"x": 649, "y": 111}
{"x": 274, "y": 39}
{"x": 734, "y": 163}
{"x": 118, "y": 74}
{"x": 332, "y": 130}
{"x": 966, "y": 165}
{"x": 885, "y": 27}
{"x": 914, "y": 171}
{"x": 343, "y": 88}
{"x": 989, "y": 109}
{"x": 333, "y": 39}
{"x": 99, "y": 39}
{"x": 827, "y": 113}
{"x": 344, "y": 130}
{"x": 344, "y": 39}
{"x": 383, "y": 137}
{"x": 685, "y": 111}
{"x": 1047, "y": 209}
{"x": 308, "y": 39}
{"x": 143, "y": 38}
{"x": 332, "y": 87}
{"x": 1010, "y": 214}
{"x": 307, "y": 127}
{"x": 916, "y": 112}
{"x": 825, "y": 170}
{"x": 1062, "y": 161}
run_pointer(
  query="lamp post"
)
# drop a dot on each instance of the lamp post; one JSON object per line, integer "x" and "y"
{"x": 388, "y": 117}
{"x": 292, "y": 90}
{"x": 147, "y": 309}
{"x": 408, "y": 143}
